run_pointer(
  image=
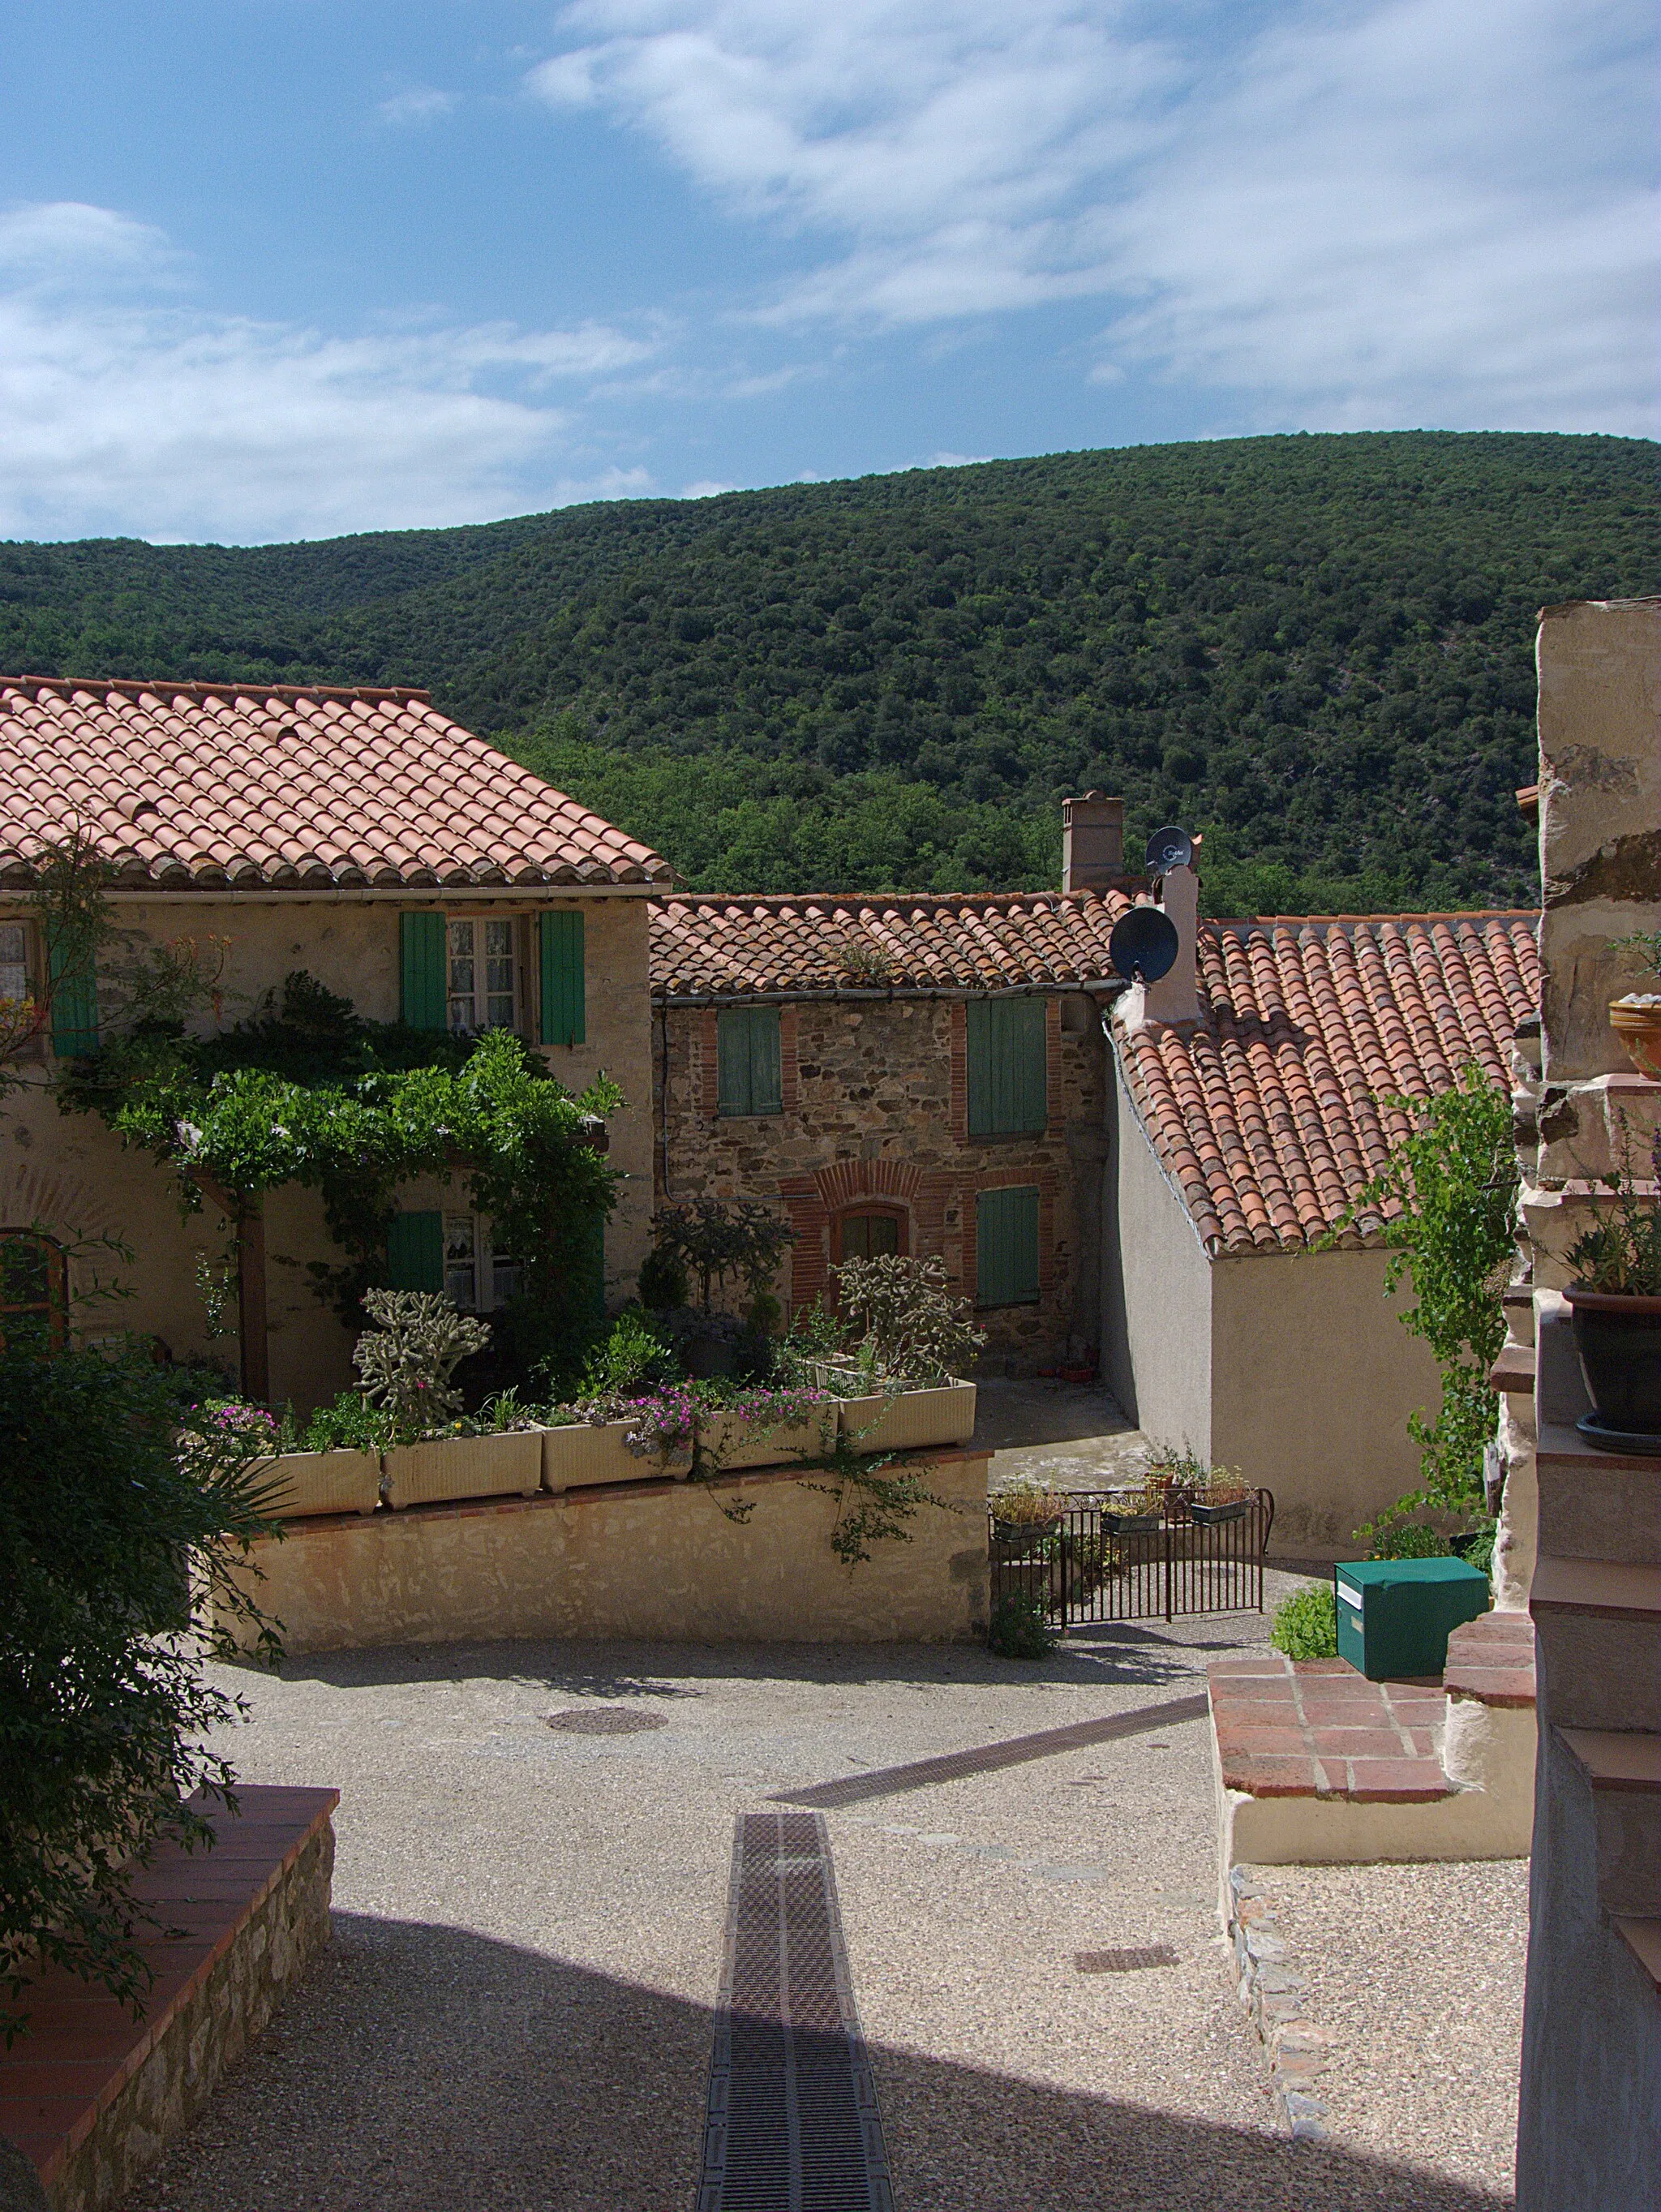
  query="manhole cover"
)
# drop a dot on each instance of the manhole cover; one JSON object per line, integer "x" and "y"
{"x": 601, "y": 1720}
{"x": 1125, "y": 1961}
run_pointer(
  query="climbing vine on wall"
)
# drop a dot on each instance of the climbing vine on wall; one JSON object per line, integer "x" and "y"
{"x": 307, "y": 1091}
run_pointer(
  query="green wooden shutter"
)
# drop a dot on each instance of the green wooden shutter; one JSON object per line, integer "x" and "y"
{"x": 1007, "y": 1066}
{"x": 1006, "y": 1248}
{"x": 749, "y": 1068}
{"x": 414, "y": 1251}
{"x": 74, "y": 1001}
{"x": 423, "y": 973}
{"x": 565, "y": 988}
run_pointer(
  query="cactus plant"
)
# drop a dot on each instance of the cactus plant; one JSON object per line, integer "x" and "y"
{"x": 407, "y": 1361}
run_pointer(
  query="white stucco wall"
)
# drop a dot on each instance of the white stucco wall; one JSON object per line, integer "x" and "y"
{"x": 1312, "y": 1380}
{"x": 1156, "y": 1331}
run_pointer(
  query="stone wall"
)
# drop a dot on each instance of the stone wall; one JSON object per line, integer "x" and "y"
{"x": 205, "y": 2034}
{"x": 653, "y": 1560}
{"x": 876, "y": 1113}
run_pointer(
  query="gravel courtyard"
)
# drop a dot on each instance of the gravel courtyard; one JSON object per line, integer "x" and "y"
{"x": 516, "y": 2013}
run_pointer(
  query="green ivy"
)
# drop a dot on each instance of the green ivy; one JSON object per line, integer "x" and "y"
{"x": 308, "y": 1092}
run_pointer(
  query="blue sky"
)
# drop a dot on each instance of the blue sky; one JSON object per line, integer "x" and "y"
{"x": 273, "y": 268}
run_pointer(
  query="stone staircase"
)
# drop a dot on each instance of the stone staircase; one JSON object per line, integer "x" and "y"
{"x": 1592, "y": 2036}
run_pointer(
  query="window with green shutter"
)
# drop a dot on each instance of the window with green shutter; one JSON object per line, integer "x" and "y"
{"x": 749, "y": 1063}
{"x": 73, "y": 1000}
{"x": 424, "y": 971}
{"x": 1009, "y": 1063}
{"x": 414, "y": 1251}
{"x": 564, "y": 981}
{"x": 1006, "y": 1248}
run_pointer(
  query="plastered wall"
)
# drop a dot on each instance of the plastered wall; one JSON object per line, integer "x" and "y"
{"x": 654, "y": 1560}
{"x": 72, "y": 1174}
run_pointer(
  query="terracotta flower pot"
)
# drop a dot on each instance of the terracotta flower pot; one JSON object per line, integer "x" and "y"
{"x": 1619, "y": 1341}
{"x": 1637, "y": 1023}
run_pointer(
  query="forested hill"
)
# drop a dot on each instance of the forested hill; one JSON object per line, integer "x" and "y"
{"x": 1320, "y": 650}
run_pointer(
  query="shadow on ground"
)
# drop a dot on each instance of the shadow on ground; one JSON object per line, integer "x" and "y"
{"x": 1130, "y": 1653}
{"x": 424, "y": 2068}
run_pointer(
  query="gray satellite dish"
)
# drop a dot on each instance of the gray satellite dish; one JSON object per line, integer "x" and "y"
{"x": 1169, "y": 847}
{"x": 1143, "y": 944}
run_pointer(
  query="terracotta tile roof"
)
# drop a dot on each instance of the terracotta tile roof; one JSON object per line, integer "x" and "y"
{"x": 708, "y": 944}
{"x": 198, "y": 787}
{"x": 1265, "y": 1117}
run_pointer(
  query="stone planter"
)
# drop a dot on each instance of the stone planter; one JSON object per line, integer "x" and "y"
{"x": 1619, "y": 1341}
{"x": 910, "y": 1419}
{"x": 447, "y": 1467}
{"x": 731, "y": 1442}
{"x": 324, "y": 1482}
{"x": 1132, "y": 1525}
{"x": 1235, "y": 1508}
{"x": 1637, "y": 1023}
{"x": 586, "y": 1453}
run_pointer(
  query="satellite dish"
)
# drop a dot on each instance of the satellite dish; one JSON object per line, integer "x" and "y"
{"x": 1143, "y": 944}
{"x": 1169, "y": 848}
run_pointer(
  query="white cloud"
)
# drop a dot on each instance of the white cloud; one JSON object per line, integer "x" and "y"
{"x": 422, "y": 103}
{"x": 707, "y": 488}
{"x": 1367, "y": 211}
{"x": 122, "y": 410}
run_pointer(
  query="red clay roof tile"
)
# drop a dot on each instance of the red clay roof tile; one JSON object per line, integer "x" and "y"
{"x": 284, "y": 787}
{"x": 1269, "y": 1115}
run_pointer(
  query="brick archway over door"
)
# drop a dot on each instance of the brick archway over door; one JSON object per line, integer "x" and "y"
{"x": 812, "y": 1200}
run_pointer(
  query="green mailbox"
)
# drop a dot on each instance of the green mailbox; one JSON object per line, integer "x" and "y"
{"x": 1395, "y": 1616}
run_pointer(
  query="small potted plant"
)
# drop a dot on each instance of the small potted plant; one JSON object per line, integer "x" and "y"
{"x": 1026, "y": 1513}
{"x": 714, "y": 1238}
{"x": 1616, "y": 1303}
{"x": 1138, "y": 1512}
{"x": 1636, "y": 1017}
{"x": 909, "y": 1340}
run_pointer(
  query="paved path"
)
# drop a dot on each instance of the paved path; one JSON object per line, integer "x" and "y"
{"x": 1059, "y": 1433}
{"x": 516, "y": 2017}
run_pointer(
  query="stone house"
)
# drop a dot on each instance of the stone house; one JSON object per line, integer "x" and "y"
{"x": 924, "y": 1075}
{"x": 358, "y": 834}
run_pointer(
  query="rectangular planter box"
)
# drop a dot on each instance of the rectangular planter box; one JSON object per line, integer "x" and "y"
{"x": 447, "y": 1467}
{"x": 910, "y": 1419}
{"x": 584, "y": 1453}
{"x": 324, "y": 1482}
{"x": 725, "y": 1438}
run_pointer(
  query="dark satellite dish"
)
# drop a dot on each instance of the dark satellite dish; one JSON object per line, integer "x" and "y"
{"x": 1143, "y": 944}
{"x": 1169, "y": 848}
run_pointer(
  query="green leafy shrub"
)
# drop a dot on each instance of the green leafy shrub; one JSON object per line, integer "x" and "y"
{"x": 630, "y": 1359}
{"x": 1393, "y": 1536}
{"x": 1307, "y": 1624}
{"x": 1020, "y": 1628}
{"x": 106, "y": 1525}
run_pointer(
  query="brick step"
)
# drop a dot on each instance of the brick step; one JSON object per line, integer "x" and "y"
{"x": 1598, "y": 1623}
{"x": 1622, "y": 1767}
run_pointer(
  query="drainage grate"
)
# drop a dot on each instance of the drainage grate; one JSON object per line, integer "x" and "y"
{"x": 792, "y": 2124}
{"x": 600, "y": 1720}
{"x": 1014, "y": 1751}
{"x": 1125, "y": 1961}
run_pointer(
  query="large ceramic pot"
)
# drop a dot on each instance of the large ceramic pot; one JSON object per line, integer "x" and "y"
{"x": 323, "y": 1482}
{"x": 1619, "y": 1341}
{"x": 590, "y": 1452}
{"x": 909, "y": 1420}
{"x": 1637, "y": 1023}
{"x": 444, "y": 1468}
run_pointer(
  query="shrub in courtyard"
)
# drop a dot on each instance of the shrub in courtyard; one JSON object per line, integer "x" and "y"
{"x": 899, "y": 1312}
{"x": 407, "y": 1361}
{"x": 108, "y": 1520}
{"x": 1020, "y": 1629}
{"x": 1307, "y": 1624}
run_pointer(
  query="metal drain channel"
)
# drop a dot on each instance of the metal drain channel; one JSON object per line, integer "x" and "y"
{"x": 792, "y": 2124}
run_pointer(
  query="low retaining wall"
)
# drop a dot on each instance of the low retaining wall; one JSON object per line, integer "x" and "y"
{"x": 92, "y": 2095}
{"x": 651, "y": 1560}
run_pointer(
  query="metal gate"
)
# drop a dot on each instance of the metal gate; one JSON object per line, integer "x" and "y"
{"x": 1100, "y": 1560}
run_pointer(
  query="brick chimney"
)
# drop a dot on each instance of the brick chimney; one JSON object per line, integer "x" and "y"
{"x": 1174, "y": 997}
{"x": 1092, "y": 842}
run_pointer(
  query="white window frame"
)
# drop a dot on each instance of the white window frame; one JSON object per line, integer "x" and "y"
{"x": 471, "y": 1260}
{"x": 467, "y": 1013}
{"x": 26, "y": 967}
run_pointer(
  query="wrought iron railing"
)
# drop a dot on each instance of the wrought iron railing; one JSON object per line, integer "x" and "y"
{"x": 1100, "y": 1558}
